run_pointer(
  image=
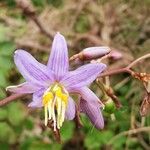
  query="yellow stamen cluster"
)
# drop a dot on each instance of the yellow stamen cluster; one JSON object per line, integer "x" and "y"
{"x": 55, "y": 100}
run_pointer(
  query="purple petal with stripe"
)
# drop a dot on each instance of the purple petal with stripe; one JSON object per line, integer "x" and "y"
{"x": 31, "y": 69}
{"x": 70, "y": 111}
{"x": 58, "y": 61}
{"x": 92, "y": 110}
{"x": 87, "y": 95}
{"x": 37, "y": 99}
{"x": 83, "y": 76}
{"x": 25, "y": 87}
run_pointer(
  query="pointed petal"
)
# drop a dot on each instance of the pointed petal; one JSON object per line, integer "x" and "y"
{"x": 70, "y": 111}
{"x": 31, "y": 69}
{"x": 37, "y": 99}
{"x": 93, "y": 112}
{"x": 23, "y": 88}
{"x": 83, "y": 76}
{"x": 58, "y": 61}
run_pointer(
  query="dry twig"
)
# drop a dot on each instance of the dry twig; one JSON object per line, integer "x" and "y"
{"x": 30, "y": 12}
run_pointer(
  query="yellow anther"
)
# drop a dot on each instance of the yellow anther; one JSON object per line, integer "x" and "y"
{"x": 47, "y": 97}
{"x": 58, "y": 92}
{"x": 64, "y": 98}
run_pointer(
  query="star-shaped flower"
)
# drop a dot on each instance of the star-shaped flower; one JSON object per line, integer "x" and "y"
{"x": 51, "y": 84}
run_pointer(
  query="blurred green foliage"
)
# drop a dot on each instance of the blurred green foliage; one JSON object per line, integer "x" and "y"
{"x": 82, "y": 24}
{"x": 6, "y": 64}
{"x": 21, "y": 129}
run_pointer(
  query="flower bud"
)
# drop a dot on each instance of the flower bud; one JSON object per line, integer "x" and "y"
{"x": 95, "y": 52}
{"x": 115, "y": 55}
{"x": 91, "y": 53}
{"x": 109, "y": 106}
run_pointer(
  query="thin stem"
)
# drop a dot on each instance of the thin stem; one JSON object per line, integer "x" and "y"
{"x": 116, "y": 71}
{"x": 125, "y": 69}
{"x": 133, "y": 131}
{"x": 10, "y": 98}
{"x": 55, "y": 133}
{"x": 101, "y": 86}
{"x": 137, "y": 60}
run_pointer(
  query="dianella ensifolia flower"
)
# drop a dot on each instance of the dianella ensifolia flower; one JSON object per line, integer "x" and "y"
{"x": 52, "y": 84}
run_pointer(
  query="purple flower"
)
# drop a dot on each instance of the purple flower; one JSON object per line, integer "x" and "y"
{"x": 51, "y": 84}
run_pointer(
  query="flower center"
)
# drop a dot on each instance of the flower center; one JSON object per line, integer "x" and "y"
{"x": 55, "y": 100}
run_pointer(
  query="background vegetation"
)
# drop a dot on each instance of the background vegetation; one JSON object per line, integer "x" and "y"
{"x": 123, "y": 25}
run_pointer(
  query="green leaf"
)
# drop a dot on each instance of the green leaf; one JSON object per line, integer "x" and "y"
{"x": 6, "y": 133}
{"x": 95, "y": 139}
{"x": 16, "y": 114}
{"x": 24, "y": 145}
{"x": 5, "y": 146}
{"x": 86, "y": 122}
{"x": 11, "y": 3}
{"x": 3, "y": 113}
{"x": 119, "y": 143}
{"x": 3, "y": 31}
{"x": 5, "y": 63}
{"x": 3, "y": 81}
{"x": 29, "y": 123}
{"x": 38, "y": 145}
{"x": 38, "y": 3}
{"x": 6, "y": 48}
{"x": 67, "y": 130}
{"x": 2, "y": 93}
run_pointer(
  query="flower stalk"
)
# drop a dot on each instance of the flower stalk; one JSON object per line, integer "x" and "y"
{"x": 108, "y": 95}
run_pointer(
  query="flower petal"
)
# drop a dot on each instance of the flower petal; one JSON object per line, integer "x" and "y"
{"x": 31, "y": 69}
{"x": 88, "y": 95}
{"x": 70, "y": 111}
{"x": 93, "y": 112}
{"x": 58, "y": 61}
{"x": 25, "y": 87}
{"x": 83, "y": 76}
{"x": 37, "y": 99}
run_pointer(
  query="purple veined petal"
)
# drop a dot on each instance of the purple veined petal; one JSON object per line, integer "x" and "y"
{"x": 25, "y": 87}
{"x": 37, "y": 99}
{"x": 83, "y": 76}
{"x": 71, "y": 110}
{"x": 87, "y": 95}
{"x": 31, "y": 69}
{"x": 93, "y": 112}
{"x": 58, "y": 61}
